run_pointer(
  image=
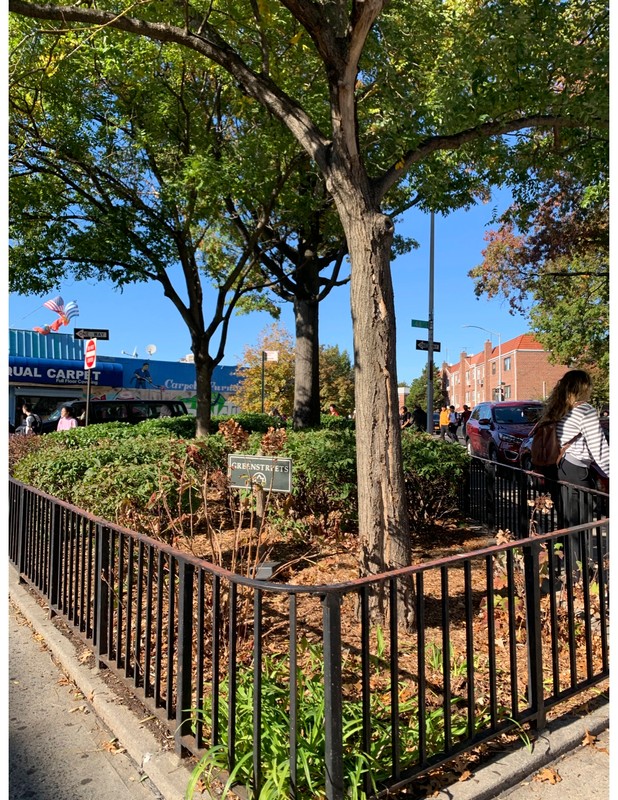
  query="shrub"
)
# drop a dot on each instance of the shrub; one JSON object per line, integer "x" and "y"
{"x": 337, "y": 423}
{"x": 432, "y": 469}
{"x": 20, "y": 447}
{"x": 258, "y": 423}
{"x": 108, "y": 468}
{"x": 324, "y": 474}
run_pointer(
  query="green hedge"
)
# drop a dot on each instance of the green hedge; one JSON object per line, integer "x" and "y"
{"x": 107, "y": 468}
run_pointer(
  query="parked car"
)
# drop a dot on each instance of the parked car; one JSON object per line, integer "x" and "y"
{"x": 131, "y": 411}
{"x": 496, "y": 430}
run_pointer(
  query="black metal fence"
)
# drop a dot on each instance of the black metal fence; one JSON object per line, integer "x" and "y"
{"x": 502, "y": 497}
{"x": 305, "y": 691}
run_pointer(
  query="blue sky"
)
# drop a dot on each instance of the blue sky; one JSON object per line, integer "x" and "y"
{"x": 141, "y": 315}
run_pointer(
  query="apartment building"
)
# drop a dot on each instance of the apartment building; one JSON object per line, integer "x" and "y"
{"x": 518, "y": 369}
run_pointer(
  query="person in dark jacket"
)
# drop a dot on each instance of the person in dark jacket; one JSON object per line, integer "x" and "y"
{"x": 419, "y": 418}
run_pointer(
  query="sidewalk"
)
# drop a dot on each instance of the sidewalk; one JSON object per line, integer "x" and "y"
{"x": 64, "y": 735}
{"x": 69, "y": 736}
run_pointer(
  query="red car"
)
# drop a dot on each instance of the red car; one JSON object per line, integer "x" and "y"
{"x": 496, "y": 430}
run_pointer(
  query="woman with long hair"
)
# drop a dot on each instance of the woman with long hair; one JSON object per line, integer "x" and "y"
{"x": 578, "y": 426}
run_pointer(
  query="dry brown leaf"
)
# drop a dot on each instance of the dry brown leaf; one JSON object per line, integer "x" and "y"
{"x": 64, "y": 681}
{"x": 547, "y": 774}
{"x": 465, "y": 775}
{"x": 589, "y": 739}
{"x": 113, "y": 746}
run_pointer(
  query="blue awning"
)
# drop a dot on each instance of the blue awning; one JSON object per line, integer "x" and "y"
{"x": 59, "y": 372}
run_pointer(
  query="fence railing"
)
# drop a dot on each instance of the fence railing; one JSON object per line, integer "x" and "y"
{"x": 500, "y": 496}
{"x": 306, "y": 691}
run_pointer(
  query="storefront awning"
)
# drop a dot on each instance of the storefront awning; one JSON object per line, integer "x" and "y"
{"x": 58, "y": 372}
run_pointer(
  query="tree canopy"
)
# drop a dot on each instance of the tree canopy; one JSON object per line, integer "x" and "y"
{"x": 420, "y": 98}
{"x": 554, "y": 269}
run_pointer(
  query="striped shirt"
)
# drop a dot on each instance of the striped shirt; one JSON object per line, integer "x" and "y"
{"x": 592, "y": 445}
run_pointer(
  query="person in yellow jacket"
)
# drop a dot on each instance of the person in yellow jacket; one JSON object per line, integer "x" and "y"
{"x": 444, "y": 420}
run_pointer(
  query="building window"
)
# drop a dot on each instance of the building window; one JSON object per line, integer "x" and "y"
{"x": 507, "y": 363}
{"x": 467, "y": 376}
{"x": 507, "y": 392}
{"x": 493, "y": 368}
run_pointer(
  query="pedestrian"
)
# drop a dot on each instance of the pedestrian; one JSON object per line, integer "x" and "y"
{"x": 419, "y": 418}
{"x": 32, "y": 423}
{"x": 405, "y": 418}
{"x": 577, "y": 422}
{"x": 444, "y": 421}
{"x": 465, "y": 416}
{"x": 332, "y": 410}
{"x": 67, "y": 420}
{"x": 453, "y": 423}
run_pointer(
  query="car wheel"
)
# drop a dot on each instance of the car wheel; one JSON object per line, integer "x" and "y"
{"x": 492, "y": 455}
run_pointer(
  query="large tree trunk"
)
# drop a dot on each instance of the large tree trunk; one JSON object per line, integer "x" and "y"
{"x": 383, "y": 519}
{"x": 307, "y": 371}
{"x": 204, "y": 367}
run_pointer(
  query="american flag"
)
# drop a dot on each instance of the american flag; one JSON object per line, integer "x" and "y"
{"x": 55, "y": 304}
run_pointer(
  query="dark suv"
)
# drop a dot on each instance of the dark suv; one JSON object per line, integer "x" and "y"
{"x": 132, "y": 411}
{"x": 496, "y": 430}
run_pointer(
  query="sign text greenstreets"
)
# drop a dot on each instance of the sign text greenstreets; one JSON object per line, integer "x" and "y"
{"x": 273, "y": 474}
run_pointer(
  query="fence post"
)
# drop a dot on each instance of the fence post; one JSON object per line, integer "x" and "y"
{"x": 523, "y": 509}
{"x": 21, "y": 534}
{"x": 54, "y": 560}
{"x": 333, "y": 706}
{"x": 531, "y": 554}
{"x": 185, "y": 646}
{"x": 491, "y": 469}
{"x": 101, "y": 632}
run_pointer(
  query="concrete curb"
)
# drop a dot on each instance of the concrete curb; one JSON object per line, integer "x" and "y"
{"x": 558, "y": 738}
{"x": 168, "y": 773}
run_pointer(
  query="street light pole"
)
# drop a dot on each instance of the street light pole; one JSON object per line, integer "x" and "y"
{"x": 500, "y": 368}
{"x": 263, "y": 360}
{"x": 430, "y": 330}
{"x": 493, "y": 333}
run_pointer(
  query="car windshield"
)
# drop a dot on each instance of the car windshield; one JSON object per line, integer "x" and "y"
{"x": 517, "y": 415}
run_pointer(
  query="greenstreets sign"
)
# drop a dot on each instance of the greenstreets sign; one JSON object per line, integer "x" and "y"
{"x": 273, "y": 474}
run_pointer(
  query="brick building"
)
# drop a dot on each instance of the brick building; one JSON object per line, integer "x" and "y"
{"x": 520, "y": 364}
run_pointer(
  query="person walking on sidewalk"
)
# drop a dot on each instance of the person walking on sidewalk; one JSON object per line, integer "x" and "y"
{"x": 453, "y": 424}
{"x": 444, "y": 420}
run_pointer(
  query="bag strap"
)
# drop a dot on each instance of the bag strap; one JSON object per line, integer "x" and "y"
{"x": 566, "y": 446}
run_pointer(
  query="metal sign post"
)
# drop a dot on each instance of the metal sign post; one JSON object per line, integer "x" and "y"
{"x": 90, "y": 362}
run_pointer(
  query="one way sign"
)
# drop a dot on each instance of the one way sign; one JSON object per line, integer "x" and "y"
{"x": 422, "y": 344}
{"x": 91, "y": 333}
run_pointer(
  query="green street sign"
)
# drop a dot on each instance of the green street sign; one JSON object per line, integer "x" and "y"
{"x": 419, "y": 323}
{"x": 271, "y": 473}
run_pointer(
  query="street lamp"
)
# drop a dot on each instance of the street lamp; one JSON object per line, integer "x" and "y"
{"x": 493, "y": 333}
{"x": 267, "y": 355}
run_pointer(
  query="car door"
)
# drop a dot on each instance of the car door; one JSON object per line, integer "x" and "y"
{"x": 485, "y": 427}
{"x": 477, "y": 431}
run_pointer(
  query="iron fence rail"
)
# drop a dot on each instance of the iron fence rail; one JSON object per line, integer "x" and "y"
{"x": 498, "y": 636}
